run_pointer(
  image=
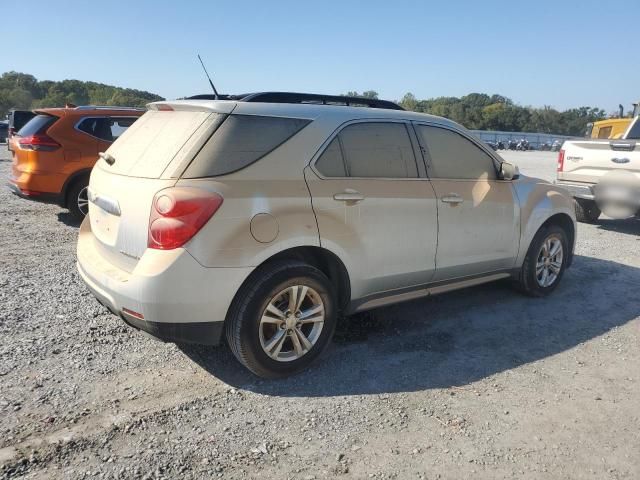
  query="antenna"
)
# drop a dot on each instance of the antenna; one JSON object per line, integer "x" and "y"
{"x": 215, "y": 92}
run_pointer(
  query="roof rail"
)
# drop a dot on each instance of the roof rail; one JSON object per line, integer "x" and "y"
{"x": 307, "y": 98}
{"x": 107, "y": 107}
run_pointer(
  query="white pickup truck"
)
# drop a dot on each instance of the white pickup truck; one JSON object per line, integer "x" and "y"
{"x": 603, "y": 175}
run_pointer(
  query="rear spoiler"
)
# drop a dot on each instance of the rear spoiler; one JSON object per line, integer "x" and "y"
{"x": 219, "y": 106}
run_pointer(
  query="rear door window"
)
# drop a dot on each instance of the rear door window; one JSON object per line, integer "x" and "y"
{"x": 105, "y": 128}
{"x": 240, "y": 141}
{"x": 331, "y": 162}
{"x": 370, "y": 150}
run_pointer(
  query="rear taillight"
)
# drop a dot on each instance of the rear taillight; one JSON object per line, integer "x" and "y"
{"x": 178, "y": 213}
{"x": 39, "y": 142}
{"x": 560, "y": 160}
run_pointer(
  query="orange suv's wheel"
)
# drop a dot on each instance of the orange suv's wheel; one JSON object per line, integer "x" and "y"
{"x": 78, "y": 199}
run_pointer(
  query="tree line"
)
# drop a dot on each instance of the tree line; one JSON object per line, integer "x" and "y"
{"x": 24, "y": 91}
{"x": 479, "y": 111}
{"x": 476, "y": 111}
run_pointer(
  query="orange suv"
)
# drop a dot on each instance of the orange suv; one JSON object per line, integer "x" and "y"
{"x": 54, "y": 152}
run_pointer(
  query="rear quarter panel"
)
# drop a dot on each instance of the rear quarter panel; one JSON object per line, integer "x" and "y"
{"x": 269, "y": 198}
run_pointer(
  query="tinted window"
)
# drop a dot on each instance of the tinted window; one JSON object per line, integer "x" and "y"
{"x": 380, "y": 150}
{"x": 634, "y": 133}
{"x": 240, "y": 141}
{"x": 37, "y": 124}
{"x": 330, "y": 163}
{"x": 88, "y": 125}
{"x": 454, "y": 156}
{"x": 119, "y": 125}
{"x": 106, "y": 128}
{"x": 19, "y": 118}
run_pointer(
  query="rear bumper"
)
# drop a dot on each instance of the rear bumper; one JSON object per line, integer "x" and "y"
{"x": 44, "y": 197}
{"x": 178, "y": 299}
{"x": 577, "y": 190}
{"x": 204, "y": 333}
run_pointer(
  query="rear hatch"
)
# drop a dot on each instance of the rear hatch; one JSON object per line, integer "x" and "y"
{"x": 31, "y": 142}
{"x": 146, "y": 158}
{"x": 589, "y": 160}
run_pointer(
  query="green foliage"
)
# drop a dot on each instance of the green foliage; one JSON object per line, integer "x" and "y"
{"x": 479, "y": 111}
{"x": 24, "y": 91}
{"x": 368, "y": 94}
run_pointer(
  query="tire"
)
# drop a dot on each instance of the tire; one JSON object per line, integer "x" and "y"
{"x": 77, "y": 189}
{"x": 273, "y": 284}
{"x": 586, "y": 210}
{"x": 530, "y": 282}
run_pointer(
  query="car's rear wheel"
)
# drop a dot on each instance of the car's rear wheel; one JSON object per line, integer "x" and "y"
{"x": 545, "y": 262}
{"x": 78, "y": 199}
{"x": 586, "y": 210}
{"x": 282, "y": 319}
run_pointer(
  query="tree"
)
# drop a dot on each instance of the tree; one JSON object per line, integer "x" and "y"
{"x": 24, "y": 91}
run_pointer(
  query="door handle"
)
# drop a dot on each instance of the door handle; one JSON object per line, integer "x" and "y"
{"x": 452, "y": 198}
{"x": 349, "y": 196}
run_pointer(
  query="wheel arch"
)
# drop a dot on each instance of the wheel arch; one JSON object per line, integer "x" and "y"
{"x": 70, "y": 182}
{"x": 321, "y": 258}
{"x": 565, "y": 222}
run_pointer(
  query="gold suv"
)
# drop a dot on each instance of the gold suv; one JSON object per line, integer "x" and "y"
{"x": 264, "y": 218}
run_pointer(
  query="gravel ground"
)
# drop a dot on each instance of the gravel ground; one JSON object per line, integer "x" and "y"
{"x": 481, "y": 382}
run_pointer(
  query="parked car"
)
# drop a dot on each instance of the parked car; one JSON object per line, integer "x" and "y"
{"x": 264, "y": 219}
{"x": 53, "y": 154}
{"x": 603, "y": 175}
{"x": 4, "y": 131}
{"x": 17, "y": 120}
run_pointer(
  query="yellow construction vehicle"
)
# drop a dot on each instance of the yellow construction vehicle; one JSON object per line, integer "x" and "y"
{"x": 611, "y": 127}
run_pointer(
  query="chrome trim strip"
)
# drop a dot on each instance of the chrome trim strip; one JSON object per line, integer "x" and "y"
{"x": 418, "y": 291}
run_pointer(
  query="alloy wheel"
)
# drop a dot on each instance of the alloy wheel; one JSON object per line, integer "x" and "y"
{"x": 549, "y": 261}
{"x": 292, "y": 323}
{"x": 83, "y": 201}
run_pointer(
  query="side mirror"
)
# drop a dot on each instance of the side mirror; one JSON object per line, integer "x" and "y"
{"x": 508, "y": 171}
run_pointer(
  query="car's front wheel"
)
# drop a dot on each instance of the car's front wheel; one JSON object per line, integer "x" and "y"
{"x": 545, "y": 262}
{"x": 282, "y": 319}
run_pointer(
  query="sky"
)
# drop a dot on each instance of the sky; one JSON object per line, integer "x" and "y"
{"x": 559, "y": 53}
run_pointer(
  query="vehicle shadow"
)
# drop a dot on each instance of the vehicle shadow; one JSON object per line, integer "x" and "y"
{"x": 452, "y": 339}
{"x": 630, "y": 226}
{"x": 66, "y": 218}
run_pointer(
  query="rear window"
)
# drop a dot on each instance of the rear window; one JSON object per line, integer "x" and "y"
{"x": 156, "y": 139}
{"x": 634, "y": 132}
{"x": 37, "y": 124}
{"x": 240, "y": 141}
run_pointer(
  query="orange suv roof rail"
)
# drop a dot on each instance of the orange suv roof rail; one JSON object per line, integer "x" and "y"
{"x": 107, "y": 107}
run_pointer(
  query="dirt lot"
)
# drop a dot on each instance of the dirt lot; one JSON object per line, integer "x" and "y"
{"x": 477, "y": 383}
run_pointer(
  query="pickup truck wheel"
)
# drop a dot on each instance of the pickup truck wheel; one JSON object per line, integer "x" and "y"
{"x": 282, "y": 319}
{"x": 545, "y": 262}
{"x": 586, "y": 210}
